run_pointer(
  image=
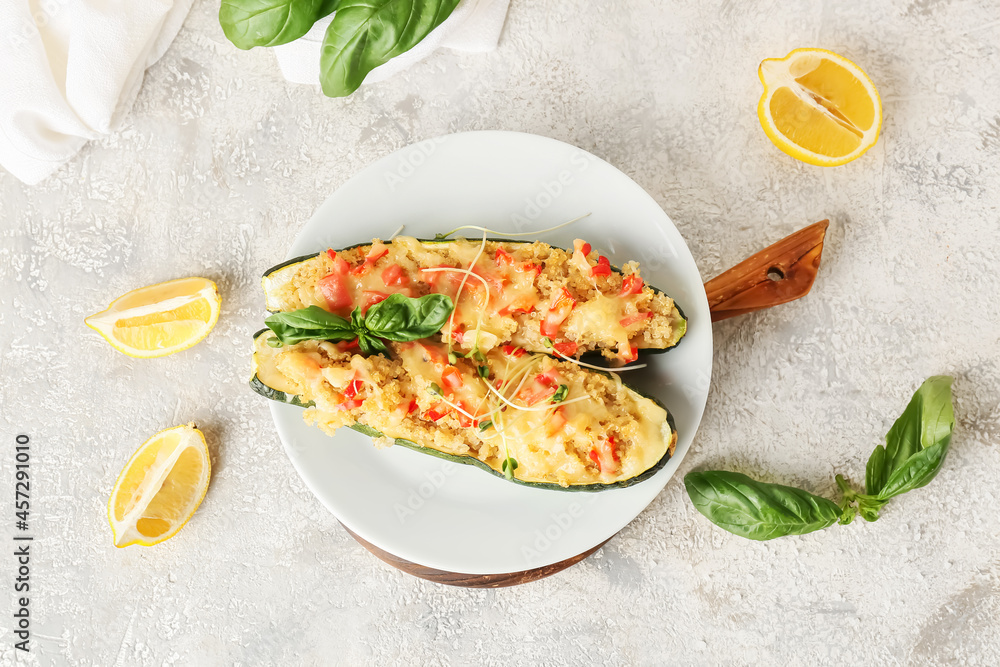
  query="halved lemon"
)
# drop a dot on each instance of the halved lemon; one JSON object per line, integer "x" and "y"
{"x": 160, "y": 487}
{"x": 160, "y": 319}
{"x": 819, "y": 107}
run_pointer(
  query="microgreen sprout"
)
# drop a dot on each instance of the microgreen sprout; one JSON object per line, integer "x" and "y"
{"x": 508, "y": 467}
{"x": 486, "y": 230}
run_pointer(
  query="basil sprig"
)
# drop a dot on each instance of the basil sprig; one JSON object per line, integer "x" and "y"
{"x": 397, "y": 318}
{"x": 914, "y": 452}
{"x": 362, "y": 35}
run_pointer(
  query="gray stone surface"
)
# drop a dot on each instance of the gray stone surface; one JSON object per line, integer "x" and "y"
{"x": 221, "y": 162}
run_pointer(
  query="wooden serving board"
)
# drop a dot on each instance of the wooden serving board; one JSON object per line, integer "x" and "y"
{"x": 780, "y": 273}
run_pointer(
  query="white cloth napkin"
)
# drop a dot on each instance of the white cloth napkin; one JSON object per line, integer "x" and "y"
{"x": 474, "y": 25}
{"x": 71, "y": 71}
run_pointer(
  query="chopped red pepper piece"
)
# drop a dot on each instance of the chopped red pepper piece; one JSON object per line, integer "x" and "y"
{"x": 512, "y": 350}
{"x": 529, "y": 267}
{"x": 503, "y": 258}
{"x": 549, "y": 378}
{"x": 412, "y": 407}
{"x": 537, "y": 393}
{"x": 633, "y": 355}
{"x": 566, "y": 348}
{"x": 607, "y": 458}
{"x": 346, "y": 345}
{"x": 463, "y": 419}
{"x": 436, "y": 411}
{"x": 520, "y": 304}
{"x": 335, "y": 291}
{"x": 432, "y": 278}
{"x": 377, "y": 252}
{"x": 634, "y": 319}
{"x": 631, "y": 285}
{"x": 603, "y": 267}
{"x": 354, "y": 387}
{"x": 582, "y": 247}
{"x": 559, "y": 309}
{"x": 370, "y": 297}
{"x": 451, "y": 377}
{"x": 612, "y": 444}
{"x": 340, "y": 265}
{"x": 393, "y": 276}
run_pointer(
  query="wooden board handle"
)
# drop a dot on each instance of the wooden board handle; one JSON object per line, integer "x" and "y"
{"x": 777, "y": 274}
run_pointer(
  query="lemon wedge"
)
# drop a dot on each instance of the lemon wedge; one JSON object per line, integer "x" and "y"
{"x": 819, "y": 107}
{"x": 160, "y": 487}
{"x": 160, "y": 319}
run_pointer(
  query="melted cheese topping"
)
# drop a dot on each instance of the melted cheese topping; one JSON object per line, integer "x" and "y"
{"x": 512, "y": 294}
{"x": 561, "y": 424}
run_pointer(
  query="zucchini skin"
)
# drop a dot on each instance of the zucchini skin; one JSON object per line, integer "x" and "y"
{"x": 592, "y": 354}
{"x": 270, "y": 392}
{"x": 291, "y": 399}
{"x": 473, "y": 461}
{"x": 275, "y": 395}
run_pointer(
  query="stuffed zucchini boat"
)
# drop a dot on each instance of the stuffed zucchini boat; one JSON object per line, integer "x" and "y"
{"x": 528, "y": 294}
{"x": 531, "y": 418}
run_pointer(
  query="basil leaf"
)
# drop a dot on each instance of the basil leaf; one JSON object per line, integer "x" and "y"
{"x": 312, "y": 323}
{"x": 875, "y": 474}
{"x": 918, "y": 471}
{"x": 367, "y": 33}
{"x": 250, "y": 23}
{"x": 401, "y": 318}
{"x": 371, "y": 344}
{"x": 757, "y": 510}
{"x": 926, "y": 424}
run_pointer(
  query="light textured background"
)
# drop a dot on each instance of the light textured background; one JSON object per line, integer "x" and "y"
{"x": 221, "y": 162}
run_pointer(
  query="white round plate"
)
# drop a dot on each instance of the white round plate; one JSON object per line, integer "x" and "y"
{"x": 455, "y": 517}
